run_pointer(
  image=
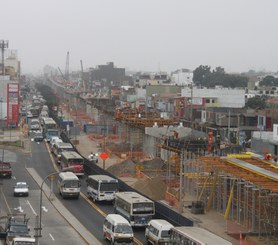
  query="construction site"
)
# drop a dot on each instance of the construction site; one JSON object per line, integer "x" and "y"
{"x": 242, "y": 187}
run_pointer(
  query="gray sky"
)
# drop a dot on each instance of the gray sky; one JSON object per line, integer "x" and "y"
{"x": 154, "y": 35}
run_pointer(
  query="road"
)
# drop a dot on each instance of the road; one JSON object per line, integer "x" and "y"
{"x": 91, "y": 215}
{"x": 53, "y": 224}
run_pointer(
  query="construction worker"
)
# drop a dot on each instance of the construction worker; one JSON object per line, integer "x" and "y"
{"x": 268, "y": 156}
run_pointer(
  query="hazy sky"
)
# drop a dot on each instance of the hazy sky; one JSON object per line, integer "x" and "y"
{"x": 154, "y": 35}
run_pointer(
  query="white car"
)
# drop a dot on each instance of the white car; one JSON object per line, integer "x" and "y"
{"x": 21, "y": 189}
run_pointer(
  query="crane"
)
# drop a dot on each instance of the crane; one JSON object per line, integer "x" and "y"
{"x": 82, "y": 78}
{"x": 61, "y": 73}
{"x": 67, "y": 67}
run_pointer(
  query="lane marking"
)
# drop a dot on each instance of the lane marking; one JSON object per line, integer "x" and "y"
{"x": 34, "y": 212}
{"x": 44, "y": 209}
{"x": 5, "y": 200}
{"x": 85, "y": 197}
{"x": 51, "y": 236}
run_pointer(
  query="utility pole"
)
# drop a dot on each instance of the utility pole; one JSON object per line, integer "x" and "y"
{"x": 191, "y": 105}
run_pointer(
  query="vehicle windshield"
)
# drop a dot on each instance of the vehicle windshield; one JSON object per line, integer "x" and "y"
{"x": 71, "y": 183}
{"x": 108, "y": 187}
{"x": 143, "y": 208}
{"x": 18, "y": 229}
{"x": 21, "y": 185}
{"x": 123, "y": 228}
{"x": 3, "y": 165}
{"x": 165, "y": 233}
{"x": 75, "y": 161}
{"x": 23, "y": 243}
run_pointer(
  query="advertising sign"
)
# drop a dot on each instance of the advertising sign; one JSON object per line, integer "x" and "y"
{"x": 12, "y": 104}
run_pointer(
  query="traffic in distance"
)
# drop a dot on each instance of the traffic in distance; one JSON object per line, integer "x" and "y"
{"x": 131, "y": 209}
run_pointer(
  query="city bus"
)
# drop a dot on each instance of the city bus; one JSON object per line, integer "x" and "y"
{"x": 137, "y": 209}
{"x": 48, "y": 123}
{"x": 72, "y": 158}
{"x": 68, "y": 185}
{"x": 195, "y": 236}
{"x": 60, "y": 147}
{"x": 102, "y": 187}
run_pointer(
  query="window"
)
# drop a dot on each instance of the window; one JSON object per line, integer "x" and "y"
{"x": 207, "y": 100}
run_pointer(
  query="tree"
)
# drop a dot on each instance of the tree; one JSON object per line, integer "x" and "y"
{"x": 256, "y": 102}
{"x": 269, "y": 81}
{"x": 201, "y": 75}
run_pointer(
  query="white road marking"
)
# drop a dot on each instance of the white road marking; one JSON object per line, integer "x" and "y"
{"x": 34, "y": 212}
{"x": 44, "y": 209}
{"x": 51, "y": 237}
{"x": 19, "y": 209}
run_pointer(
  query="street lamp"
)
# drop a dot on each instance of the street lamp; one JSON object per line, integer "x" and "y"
{"x": 52, "y": 174}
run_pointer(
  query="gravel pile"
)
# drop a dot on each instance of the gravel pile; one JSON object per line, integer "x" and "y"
{"x": 126, "y": 167}
{"x": 153, "y": 188}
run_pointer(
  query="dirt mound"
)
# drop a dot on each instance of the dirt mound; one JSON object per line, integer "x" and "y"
{"x": 156, "y": 163}
{"x": 153, "y": 188}
{"x": 124, "y": 168}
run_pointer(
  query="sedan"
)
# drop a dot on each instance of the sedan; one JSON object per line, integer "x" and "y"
{"x": 21, "y": 189}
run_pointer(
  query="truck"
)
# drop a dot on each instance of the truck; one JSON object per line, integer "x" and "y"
{"x": 17, "y": 229}
{"x": 5, "y": 169}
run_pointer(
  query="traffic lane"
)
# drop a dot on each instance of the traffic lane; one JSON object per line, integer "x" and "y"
{"x": 53, "y": 224}
{"x": 40, "y": 159}
{"x": 88, "y": 216}
{"x": 108, "y": 208}
{"x": 83, "y": 210}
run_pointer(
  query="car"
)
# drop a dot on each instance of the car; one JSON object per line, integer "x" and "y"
{"x": 38, "y": 136}
{"x": 21, "y": 189}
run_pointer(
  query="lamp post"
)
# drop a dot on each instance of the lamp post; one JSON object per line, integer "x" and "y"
{"x": 41, "y": 187}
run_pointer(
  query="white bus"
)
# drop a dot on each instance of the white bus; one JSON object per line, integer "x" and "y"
{"x": 137, "y": 209}
{"x": 102, "y": 187}
{"x": 195, "y": 236}
{"x": 68, "y": 185}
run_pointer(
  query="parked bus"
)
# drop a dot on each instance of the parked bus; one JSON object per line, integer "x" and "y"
{"x": 72, "y": 158}
{"x": 102, "y": 187}
{"x": 137, "y": 209}
{"x": 68, "y": 185}
{"x": 195, "y": 236}
{"x": 60, "y": 147}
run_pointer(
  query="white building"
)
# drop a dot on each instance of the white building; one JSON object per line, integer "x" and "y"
{"x": 219, "y": 97}
{"x": 183, "y": 77}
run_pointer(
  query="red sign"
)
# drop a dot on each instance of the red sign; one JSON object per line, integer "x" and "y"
{"x": 103, "y": 156}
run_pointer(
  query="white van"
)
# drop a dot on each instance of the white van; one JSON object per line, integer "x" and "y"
{"x": 158, "y": 231}
{"x": 117, "y": 229}
{"x": 68, "y": 185}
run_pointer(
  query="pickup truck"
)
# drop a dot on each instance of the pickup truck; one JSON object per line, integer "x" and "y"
{"x": 5, "y": 169}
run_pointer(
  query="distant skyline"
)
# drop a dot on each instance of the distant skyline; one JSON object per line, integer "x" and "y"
{"x": 150, "y": 35}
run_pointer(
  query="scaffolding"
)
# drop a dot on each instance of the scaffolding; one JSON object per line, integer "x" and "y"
{"x": 242, "y": 195}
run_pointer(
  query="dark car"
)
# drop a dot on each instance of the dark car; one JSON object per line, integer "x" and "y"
{"x": 38, "y": 137}
{"x": 5, "y": 169}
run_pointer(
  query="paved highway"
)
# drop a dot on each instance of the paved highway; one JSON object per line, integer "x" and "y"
{"x": 53, "y": 224}
{"x": 90, "y": 214}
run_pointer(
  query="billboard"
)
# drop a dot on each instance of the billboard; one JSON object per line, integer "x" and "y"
{"x": 12, "y": 104}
